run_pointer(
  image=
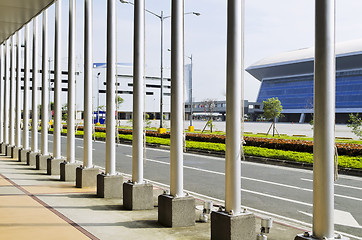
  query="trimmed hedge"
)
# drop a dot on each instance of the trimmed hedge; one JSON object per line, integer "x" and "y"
{"x": 270, "y": 143}
{"x": 343, "y": 161}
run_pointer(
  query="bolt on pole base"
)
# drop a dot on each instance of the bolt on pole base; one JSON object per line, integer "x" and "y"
{"x": 308, "y": 236}
{"x": 233, "y": 227}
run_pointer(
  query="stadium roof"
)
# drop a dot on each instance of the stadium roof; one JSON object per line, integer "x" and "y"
{"x": 14, "y": 14}
{"x": 297, "y": 62}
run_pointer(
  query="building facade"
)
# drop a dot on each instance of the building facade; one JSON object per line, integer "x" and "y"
{"x": 290, "y": 77}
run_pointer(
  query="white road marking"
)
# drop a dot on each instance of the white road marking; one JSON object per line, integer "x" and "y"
{"x": 222, "y": 159}
{"x": 282, "y": 219}
{"x": 258, "y": 180}
{"x": 82, "y": 147}
{"x": 279, "y": 198}
{"x": 261, "y": 212}
{"x": 336, "y": 184}
{"x": 341, "y": 218}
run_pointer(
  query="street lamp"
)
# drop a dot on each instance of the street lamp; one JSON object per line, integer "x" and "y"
{"x": 50, "y": 89}
{"x": 161, "y": 17}
{"x": 190, "y": 89}
{"x": 98, "y": 97}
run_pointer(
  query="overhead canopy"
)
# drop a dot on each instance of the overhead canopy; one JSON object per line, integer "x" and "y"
{"x": 298, "y": 62}
{"x": 15, "y": 13}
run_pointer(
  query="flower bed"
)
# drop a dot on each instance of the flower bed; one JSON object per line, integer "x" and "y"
{"x": 270, "y": 143}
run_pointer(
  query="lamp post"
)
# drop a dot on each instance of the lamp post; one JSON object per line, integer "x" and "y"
{"x": 98, "y": 97}
{"x": 190, "y": 89}
{"x": 51, "y": 88}
{"x": 162, "y": 18}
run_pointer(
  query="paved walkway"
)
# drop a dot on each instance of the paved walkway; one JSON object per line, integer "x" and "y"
{"x": 34, "y": 205}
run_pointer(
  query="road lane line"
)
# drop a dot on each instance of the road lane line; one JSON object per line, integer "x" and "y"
{"x": 261, "y": 213}
{"x": 82, "y": 147}
{"x": 336, "y": 184}
{"x": 223, "y": 159}
{"x": 279, "y": 198}
{"x": 244, "y": 190}
{"x": 256, "y": 180}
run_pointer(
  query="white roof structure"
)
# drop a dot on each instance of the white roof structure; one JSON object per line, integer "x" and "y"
{"x": 304, "y": 58}
{"x": 16, "y": 13}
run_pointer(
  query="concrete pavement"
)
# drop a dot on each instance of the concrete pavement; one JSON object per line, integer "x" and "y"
{"x": 290, "y": 129}
{"x": 280, "y": 192}
{"x": 34, "y": 205}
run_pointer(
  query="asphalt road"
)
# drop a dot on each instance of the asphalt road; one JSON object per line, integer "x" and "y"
{"x": 281, "y": 192}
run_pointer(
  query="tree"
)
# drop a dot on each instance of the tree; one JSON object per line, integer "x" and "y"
{"x": 119, "y": 101}
{"x": 65, "y": 112}
{"x": 355, "y": 124}
{"x": 272, "y": 110}
{"x": 147, "y": 121}
{"x": 101, "y": 108}
{"x": 52, "y": 106}
{"x": 209, "y": 107}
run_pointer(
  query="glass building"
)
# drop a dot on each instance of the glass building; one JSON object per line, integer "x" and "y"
{"x": 290, "y": 77}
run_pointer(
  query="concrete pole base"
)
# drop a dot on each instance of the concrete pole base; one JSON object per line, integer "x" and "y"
{"x": 109, "y": 186}
{"x": 53, "y": 166}
{"x": 16, "y": 154}
{"x": 32, "y": 158}
{"x": 226, "y": 226}
{"x": 176, "y": 211}
{"x": 24, "y": 155}
{"x": 4, "y": 148}
{"x": 137, "y": 196}
{"x": 86, "y": 177}
{"x": 68, "y": 171}
{"x": 308, "y": 236}
{"x": 10, "y": 151}
{"x": 42, "y": 161}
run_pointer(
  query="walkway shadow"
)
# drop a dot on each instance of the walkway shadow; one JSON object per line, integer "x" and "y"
{"x": 11, "y": 160}
{"x": 130, "y": 224}
{"x": 21, "y": 164}
{"x": 40, "y": 180}
{"x": 87, "y": 195}
{"x": 36, "y": 173}
{"x": 94, "y": 208}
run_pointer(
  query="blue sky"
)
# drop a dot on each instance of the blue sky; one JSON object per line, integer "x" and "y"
{"x": 271, "y": 27}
